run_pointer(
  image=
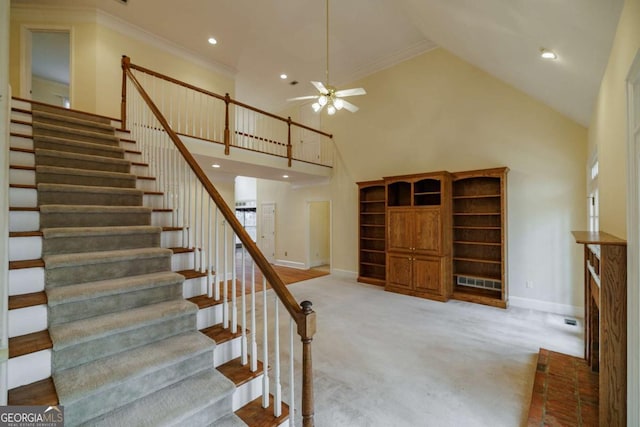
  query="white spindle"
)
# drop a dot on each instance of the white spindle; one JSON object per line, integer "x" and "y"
{"x": 202, "y": 230}
{"x": 243, "y": 326}
{"x": 254, "y": 344}
{"x": 265, "y": 346}
{"x": 216, "y": 240}
{"x": 277, "y": 395}
{"x": 225, "y": 288}
{"x": 292, "y": 375}
{"x": 210, "y": 252}
{"x": 234, "y": 298}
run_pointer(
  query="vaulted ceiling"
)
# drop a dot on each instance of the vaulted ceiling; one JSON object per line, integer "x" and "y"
{"x": 259, "y": 40}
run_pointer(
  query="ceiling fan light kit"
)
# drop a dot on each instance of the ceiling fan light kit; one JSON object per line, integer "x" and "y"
{"x": 328, "y": 96}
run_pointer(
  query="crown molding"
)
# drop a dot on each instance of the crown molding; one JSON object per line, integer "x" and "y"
{"x": 50, "y": 14}
{"x": 123, "y": 27}
{"x": 389, "y": 61}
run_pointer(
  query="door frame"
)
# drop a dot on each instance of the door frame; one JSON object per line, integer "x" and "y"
{"x": 270, "y": 257}
{"x": 26, "y": 31}
{"x": 633, "y": 242}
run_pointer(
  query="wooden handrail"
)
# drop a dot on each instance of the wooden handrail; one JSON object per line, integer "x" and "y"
{"x": 302, "y": 314}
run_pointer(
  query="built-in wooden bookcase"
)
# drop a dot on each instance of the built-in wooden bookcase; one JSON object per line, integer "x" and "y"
{"x": 419, "y": 235}
{"x": 479, "y": 236}
{"x": 372, "y": 206}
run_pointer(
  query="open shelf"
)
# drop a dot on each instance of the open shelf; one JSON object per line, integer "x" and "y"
{"x": 372, "y": 236}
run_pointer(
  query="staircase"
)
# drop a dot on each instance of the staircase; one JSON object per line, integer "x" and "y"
{"x": 98, "y": 318}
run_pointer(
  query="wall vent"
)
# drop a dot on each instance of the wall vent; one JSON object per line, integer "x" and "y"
{"x": 475, "y": 282}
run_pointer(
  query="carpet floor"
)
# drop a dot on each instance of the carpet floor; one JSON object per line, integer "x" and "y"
{"x": 384, "y": 359}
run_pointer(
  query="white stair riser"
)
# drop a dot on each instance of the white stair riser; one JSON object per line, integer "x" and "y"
{"x": 20, "y": 142}
{"x": 27, "y": 320}
{"x": 21, "y": 128}
{"x": 26, "y": 281}
{"x": 194, "y": 287}
{"x": 182, "y": 261}
{"x": 21, "y": 105}
{"x": 22, "y": 177}
{"x": 246, "y": 393}
{"x": 171, "y": 239}
{"x": 134, "y": 157}
{"x": 24, "y": 248}
{"x": 208, "y": 317}
{"x": 227, "y": 351}
{"x": 161, "y": 219}
{"x": 23, "y": 197}
{"x": 24, "y": 221}
{"x": 146, "y": 184}
{"x": 152, "y": 200}
{"x": 29, "y": 368}
{"x": 20, "y": 158}
{"x": 19, "y": 115}
{"x": 117, "y": 124}
{"x": 139, "y": 170}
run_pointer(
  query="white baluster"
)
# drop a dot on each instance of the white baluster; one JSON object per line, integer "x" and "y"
{"x": 254, "y": 344}
{"x": 234, "y": 298}
{"x": 244, "y": 309}
{"x": 210, "y": 250}
{"x": 292, "y": 376}
{"x": 265, "y": 345}
{"x": 277, "y": 398}
{"x": 216, "y": 284}
{"x": 225, "y": 288}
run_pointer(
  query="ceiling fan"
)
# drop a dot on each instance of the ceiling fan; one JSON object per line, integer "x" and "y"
{"x": 328, "y": 96}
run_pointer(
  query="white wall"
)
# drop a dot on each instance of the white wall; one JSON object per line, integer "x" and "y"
{"x": 48, "y": 91}
{"x": 4, "y": 198}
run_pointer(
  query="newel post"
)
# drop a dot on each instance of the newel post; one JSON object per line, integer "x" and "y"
{"x": 126, "y": 61}
{"x": 289, "y": 150}
{"x": 307, "y": 329}
{"x": 227, "y": 142}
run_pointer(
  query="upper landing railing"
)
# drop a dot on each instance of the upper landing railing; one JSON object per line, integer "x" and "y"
{"x": 195, "y": 112}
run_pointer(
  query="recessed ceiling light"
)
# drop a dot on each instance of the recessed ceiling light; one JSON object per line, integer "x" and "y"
{"x": 547, "y": 54}
{"x": 283, "y": 76}
{"x": 212, "y": 40}
{"x": 215, "y": 165}
{"x": 285, "y": 176}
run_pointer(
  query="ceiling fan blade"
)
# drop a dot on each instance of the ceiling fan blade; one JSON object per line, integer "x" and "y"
{"x": 351, "y": 92}
{"x": 303, "y": 97}
{"x": 349, "y": 106}
{"x": 320, "y": 86}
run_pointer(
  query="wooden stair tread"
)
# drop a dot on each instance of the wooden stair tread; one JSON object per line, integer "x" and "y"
{"x": 21, "y": 135}
{"x": 127, "y": 140}
{"x": 255, "y": 415}
{"x": 148, "y": 178}
{"x": 22, "y": 150}
{"x": 25, "y": 186}
{"x": 27, "y": 300}
{"x": 24, "y": 168}
{"x": 42, "y": 392}
{"x": 25, "y": 234}
{"x": 220, "y": 334}
{"x": 24, "y": 209}
{"x": 133, "y": 152}
{"x": 162, "y": 210}
{"x": 203, "y": 301}
{"x": 153, "y": 193}
{"x": 238, "y": 373}
{"x": 172, "y": 228}
{"x": 27, "y": 263}
{"x": 123, "y": 130}
{"x": 178, "y": 250}
{"x": 192, "y": 274}
{"x": 139, "y": 164}
{"x": 20, "y": 122}
{"x": 29, "y": 343}
{"x": 20, "y": 110}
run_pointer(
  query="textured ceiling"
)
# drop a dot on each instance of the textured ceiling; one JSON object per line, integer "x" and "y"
{"x": 259, "y": 40}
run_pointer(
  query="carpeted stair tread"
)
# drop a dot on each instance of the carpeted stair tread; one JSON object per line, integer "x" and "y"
{"x": 66, "y": 112}
{"x": 71, "y": 194}
{"x": 66, "y": 240}
{"x": 46, "y": 129}
{"x": 80, "y": 301}
{"x": 53, "y": 216}
{"x": 46, "y": 157}
{"x": 81, "y": 331}
{"x": 69, "y": 175}
{"x": 66, "y": 260}
{"x": 77, "y": 146}
{"x": 195, "y": 401}
{"x": 71, "y": 121}
{"x": 95, "y": 388}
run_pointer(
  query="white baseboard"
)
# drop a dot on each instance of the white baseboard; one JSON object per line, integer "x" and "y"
{"x": 291, "y": 264}
{"x": 345, "y": 274}
{"x": 551, "y": 307}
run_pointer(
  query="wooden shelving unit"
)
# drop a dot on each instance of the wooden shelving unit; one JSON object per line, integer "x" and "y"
{"x": 479, "y": 236}
{"x": 372, "y": 236}
{"x": 419, "y": 235}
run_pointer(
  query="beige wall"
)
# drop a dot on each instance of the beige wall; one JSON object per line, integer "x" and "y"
{"x": 95, "y": 58}
{"x": 437, "y": 112}
{"x": 608, "y": 127}
{"x": 319, "y": 229}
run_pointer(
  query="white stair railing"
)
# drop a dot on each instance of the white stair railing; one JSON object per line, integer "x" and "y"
{"x": 197, "y": 208}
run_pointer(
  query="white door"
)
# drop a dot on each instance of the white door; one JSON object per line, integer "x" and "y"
{"x": 268, "y": 230}
{"x": 633, "y": 244}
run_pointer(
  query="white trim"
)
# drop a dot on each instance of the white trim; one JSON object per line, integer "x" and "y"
{"x": 345, "y": 274}
{"x": 550, "y": 307}
{"x": 291, "y": 264}
{"x": 633, "y": 250}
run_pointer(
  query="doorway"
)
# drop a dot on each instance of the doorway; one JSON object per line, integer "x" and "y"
{"x": 268, "y": 231}
{"x": 46, "y": 65}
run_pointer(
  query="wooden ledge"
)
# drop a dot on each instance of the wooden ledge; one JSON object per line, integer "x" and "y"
{"x": 597, "y": 238}
{"x": 27, "y": 300}
{"x": 255, "y": 415}
{"x": 192, "y": 274}
{"x": 28, "y": 263}
{"x": 238, "y": 373}
{"x": 221, "y": 335}
{"x": 42, "y": 392}
{"x": 29, "y": 343}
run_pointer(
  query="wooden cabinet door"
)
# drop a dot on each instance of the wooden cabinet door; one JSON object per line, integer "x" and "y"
{"x": 428, "y": 231}
{"x": 399, "y": 271}
{"x": 400, "y": 230}
{"x": 427, "y": 274}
